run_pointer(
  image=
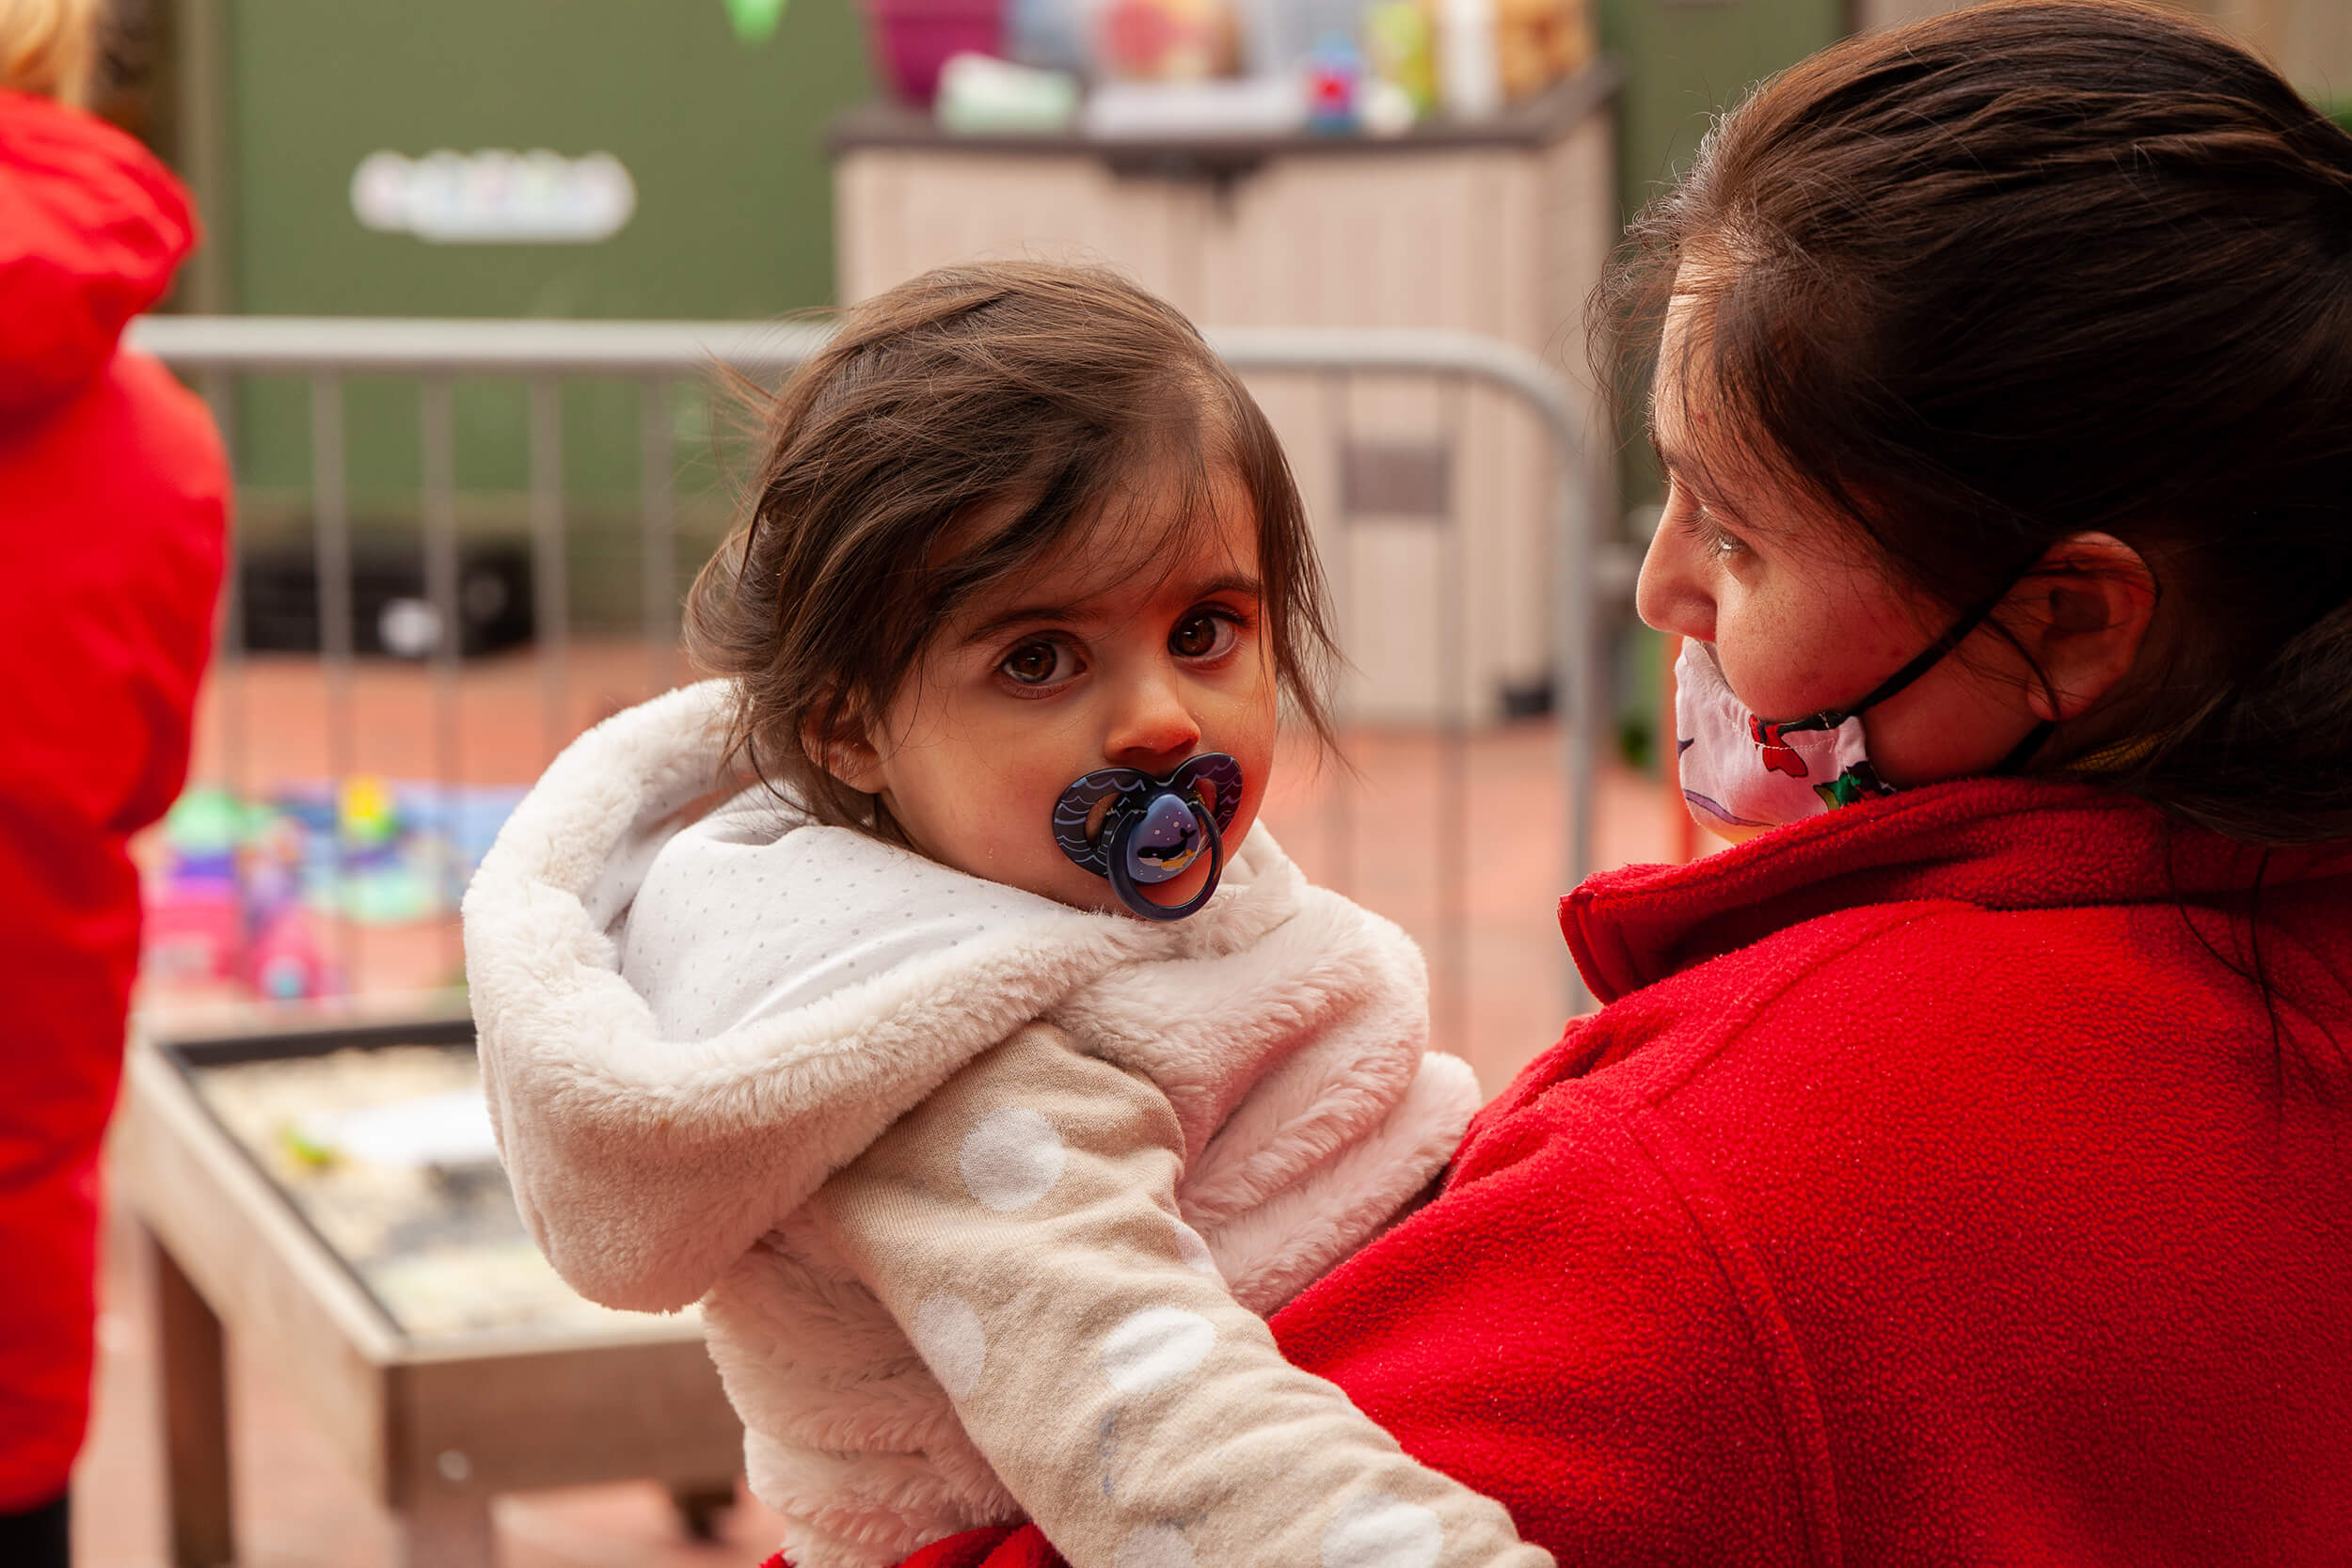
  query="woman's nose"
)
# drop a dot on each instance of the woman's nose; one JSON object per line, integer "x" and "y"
{"x": 1154, "y": 729}
{"x": 1671, "y": 594}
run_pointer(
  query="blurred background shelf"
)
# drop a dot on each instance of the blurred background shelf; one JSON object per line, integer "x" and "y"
{"x": 1498, "y": 229}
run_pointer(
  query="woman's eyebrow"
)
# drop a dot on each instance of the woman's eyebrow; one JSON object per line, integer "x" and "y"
{"x": 1667, "y": 458}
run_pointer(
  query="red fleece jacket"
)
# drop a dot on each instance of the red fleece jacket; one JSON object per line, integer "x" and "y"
{"x": 112, "y": 495}
{"x": 1935, "y": 1189}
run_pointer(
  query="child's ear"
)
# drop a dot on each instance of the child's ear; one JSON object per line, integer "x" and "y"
{"x": 844, "y": 749}
{"x": 2089, "y": 603}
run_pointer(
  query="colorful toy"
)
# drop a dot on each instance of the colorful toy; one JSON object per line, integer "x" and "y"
{"x": 1166, "y": 41}
{"x": 193, "y": 934}
{"x": 288, "y": 959}
{"x": 1399, "y": 49}
{"x": 1538, "y": 43}
{"x": 195, "y": 919}
{"x": 1047, "y": 35}
{"x": 1335, "y": 69}
{"x": 245, "y": 893}
{"x": 366, "y": 813}
{"x": 755, "y": 20}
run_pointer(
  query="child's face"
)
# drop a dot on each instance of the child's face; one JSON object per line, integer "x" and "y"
{"x": 1071, "y": 670}
{"x": 1799, "y": 620}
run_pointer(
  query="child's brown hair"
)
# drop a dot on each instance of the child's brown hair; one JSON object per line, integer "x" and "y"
{"x": 1033, "y": 392}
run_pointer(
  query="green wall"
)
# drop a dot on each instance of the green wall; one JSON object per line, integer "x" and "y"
{"x": 722, "y": 137}
{"x": 1687, "y": 58}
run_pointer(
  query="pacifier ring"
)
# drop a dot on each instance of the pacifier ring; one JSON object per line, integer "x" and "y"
{"x": 1151, "y": 830}
{"x": 1123, "y": 884}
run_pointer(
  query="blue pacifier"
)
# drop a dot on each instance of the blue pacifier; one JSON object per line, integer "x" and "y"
{"x": 1150, "y": 831}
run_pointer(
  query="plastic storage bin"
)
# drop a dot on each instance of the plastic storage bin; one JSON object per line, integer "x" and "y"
{"x": 912, "y": 39}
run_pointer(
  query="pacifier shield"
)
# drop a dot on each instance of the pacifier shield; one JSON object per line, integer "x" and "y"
{"x": 1151, "y": 830}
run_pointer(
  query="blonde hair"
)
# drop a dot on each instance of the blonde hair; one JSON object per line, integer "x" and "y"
{"x": 49, "y": 47}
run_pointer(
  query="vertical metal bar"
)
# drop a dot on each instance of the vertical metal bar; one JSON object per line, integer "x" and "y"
{"x": 659, "y": 536}
{"x": 1577, "y": 682}
{"x": 201, "y": 123}
{"x": 1452, "y": 791}
{"x": 229, "y": 683}
{"x": 436, "y": 422}
{"x": 1338, "y": 831}
{"x": 219, "y": 388}
{"x": 550, "y": 584}
{"x": 330, "y": 524}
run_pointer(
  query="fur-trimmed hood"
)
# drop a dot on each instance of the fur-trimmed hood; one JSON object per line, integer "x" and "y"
{"x": 669, "y": 1083}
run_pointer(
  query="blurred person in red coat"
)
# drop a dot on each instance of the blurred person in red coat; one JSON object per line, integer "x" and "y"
{"x": 1959, "y": 1174}
{"x": 113, "y": 495}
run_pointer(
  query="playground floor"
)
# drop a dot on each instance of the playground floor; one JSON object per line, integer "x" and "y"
{"x": 1460, "y": 840}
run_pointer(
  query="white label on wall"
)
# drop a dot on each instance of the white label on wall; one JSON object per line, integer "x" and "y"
{"x": 494, "y": 197}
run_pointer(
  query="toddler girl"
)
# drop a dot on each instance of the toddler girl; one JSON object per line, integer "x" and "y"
{"x": 1002, "y": 649}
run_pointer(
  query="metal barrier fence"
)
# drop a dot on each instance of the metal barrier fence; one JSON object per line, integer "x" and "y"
{"x": 1585, "y": 573}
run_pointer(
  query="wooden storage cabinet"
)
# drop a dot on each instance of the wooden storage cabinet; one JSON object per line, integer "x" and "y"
{"x": 1501, "y": 228}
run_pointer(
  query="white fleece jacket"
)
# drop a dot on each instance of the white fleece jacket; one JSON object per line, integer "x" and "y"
{"x": 691, "y": 1019}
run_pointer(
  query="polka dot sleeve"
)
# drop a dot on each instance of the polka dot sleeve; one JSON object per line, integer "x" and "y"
{"x": 1021, "y": 1224}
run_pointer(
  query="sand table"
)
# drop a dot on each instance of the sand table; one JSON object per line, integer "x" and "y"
{"x": 387, "y": 1153}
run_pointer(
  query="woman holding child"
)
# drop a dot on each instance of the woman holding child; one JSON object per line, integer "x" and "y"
{"x": 1957, "y": 1172}
{"x": 1960, "y": 1177}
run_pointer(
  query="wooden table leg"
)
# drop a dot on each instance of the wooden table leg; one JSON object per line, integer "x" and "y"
{"x": 701, "y": 1508}
{"x": 447, "y": 1532}
{"x": 191, "y": 1359}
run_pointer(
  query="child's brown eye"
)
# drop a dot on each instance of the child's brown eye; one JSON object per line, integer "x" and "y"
{"x": 1200, "y": 635}
{"x": 1033, "y": 663}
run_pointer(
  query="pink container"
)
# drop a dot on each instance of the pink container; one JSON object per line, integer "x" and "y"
{"x": 912, "y": 39}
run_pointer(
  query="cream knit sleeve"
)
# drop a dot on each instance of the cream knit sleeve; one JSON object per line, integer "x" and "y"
{"x": 1021, "y": 1224}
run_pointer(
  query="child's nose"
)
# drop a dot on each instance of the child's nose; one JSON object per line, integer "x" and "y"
{"x": 1153, "y": 731}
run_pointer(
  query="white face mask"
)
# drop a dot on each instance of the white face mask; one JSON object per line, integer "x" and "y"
{"x": 1744, "y": 772}
{"x": 1748, "y": 772}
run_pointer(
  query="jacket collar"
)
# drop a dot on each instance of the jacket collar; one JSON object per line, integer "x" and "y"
{"x": 1999, "y": 844}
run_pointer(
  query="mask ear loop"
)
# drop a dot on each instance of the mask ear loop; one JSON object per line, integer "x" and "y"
{"x": 2017, "y": 755}
{"x": 2022, "y": 753}
{"x": 1920, "y": 663}
{"x": 1124, "y": 885}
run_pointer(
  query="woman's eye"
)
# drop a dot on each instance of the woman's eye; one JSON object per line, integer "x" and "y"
{"x": 1700, "y": 523}
{"x": 1202, "y": 634}
{"x": 1713, "y": 536}
{"x": 1037, "y": 664}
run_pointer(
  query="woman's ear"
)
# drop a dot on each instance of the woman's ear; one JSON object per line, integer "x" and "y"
{"x": 2082, "y": 612}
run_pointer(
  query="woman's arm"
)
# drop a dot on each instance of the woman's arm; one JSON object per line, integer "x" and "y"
{"x": 1021, "y": 1224}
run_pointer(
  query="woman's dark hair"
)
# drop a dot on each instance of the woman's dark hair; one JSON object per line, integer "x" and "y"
{"x": 2034, "y": 269}
{"x": 956, "y": 431}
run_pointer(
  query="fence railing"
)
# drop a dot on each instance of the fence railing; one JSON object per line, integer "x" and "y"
{"x": 1585, "y": 573}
